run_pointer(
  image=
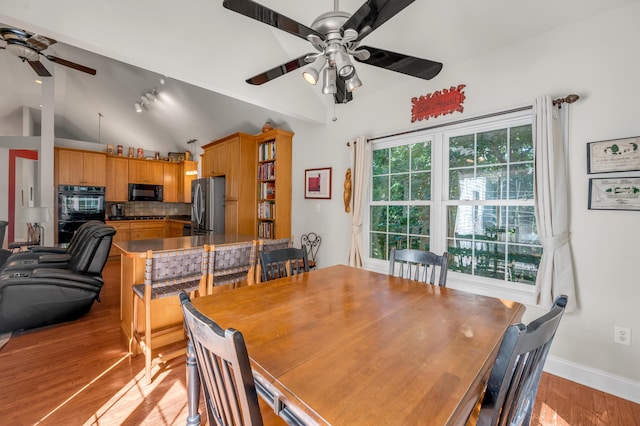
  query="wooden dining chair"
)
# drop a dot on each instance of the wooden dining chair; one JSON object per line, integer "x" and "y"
{"x": 225, "y": 372}
{"x": 284, "y": 262}
{"x": 231, "y": 264}
{"x": 513, "y": 383}
{"x": 268, "y": 245}
{"x": 311, "y": 243}
{"x": 166, "y": 273}
{"x": 415, "y": 264}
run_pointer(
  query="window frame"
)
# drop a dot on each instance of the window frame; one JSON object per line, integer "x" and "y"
{"x": 439, "y": 137}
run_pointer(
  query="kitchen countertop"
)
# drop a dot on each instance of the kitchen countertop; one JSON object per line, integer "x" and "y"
{"x": 139, "y": 248}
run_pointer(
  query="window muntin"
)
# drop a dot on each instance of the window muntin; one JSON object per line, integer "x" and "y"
{"x": 486, "y": 185}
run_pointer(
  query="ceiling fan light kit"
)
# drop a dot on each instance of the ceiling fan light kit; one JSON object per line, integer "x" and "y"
{"x": 336, "y": 36}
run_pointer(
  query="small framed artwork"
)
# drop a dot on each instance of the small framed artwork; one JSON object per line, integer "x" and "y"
{"x": 317, "y": 183}
{"x": 614, "y": 193}
{"x": 176, "y": 157}
{"x": 616, "y": 155}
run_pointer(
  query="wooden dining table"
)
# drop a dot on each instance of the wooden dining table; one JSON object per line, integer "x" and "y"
{"x": 347, "y": 346}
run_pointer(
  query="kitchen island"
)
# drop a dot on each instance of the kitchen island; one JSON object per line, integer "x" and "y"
{"x": 132, "y": 262}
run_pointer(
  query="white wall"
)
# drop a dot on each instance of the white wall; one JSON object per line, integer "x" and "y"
{"x": 597, "y": 60}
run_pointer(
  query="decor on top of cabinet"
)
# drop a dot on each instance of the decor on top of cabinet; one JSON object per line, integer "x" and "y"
{"x": 317, "y": 183}
{"x": 267, "y": 126}
{"x": 615, "y": 155}
{"x": 176, "y": 157}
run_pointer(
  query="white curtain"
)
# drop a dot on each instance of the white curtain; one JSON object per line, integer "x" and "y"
{"x": 360, "y": 168}
{"x": 555, "y": 273}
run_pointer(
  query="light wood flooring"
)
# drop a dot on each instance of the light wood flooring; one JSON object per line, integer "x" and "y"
{"x": 79, "y": 373}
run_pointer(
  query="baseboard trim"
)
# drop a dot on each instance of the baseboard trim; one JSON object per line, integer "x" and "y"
{"x": 597, "y": 379}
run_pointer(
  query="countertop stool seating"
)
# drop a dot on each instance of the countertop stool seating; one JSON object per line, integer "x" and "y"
{"x": 231, "y": 265}
{"x": 415, "y": 264}
{"x": 166, "y": 273}
{"x": 267, "y": 246}
{"x": 513, "y": 383}
{"x": 225, "y": 372}
{"x": 311, "y": 243}
{"x": 283, "y": 262}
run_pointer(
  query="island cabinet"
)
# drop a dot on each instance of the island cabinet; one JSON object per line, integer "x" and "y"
{"x": 170, "y": 182}
{"x": 77, "y": 167}
{"x": 146, "y": 229}
{"x": 234, "y": 157}
{"x": 146, "y": 171}
{"x": 122, "y": 234}
{"x": 117, "y": 179}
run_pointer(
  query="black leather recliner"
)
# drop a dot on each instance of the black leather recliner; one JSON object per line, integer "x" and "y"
{"x": 41, "y": 296}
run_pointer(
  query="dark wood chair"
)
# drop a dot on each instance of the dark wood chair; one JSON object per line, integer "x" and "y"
{"x": 415, "y": 265}
{"x": 283, "y": 262}
{"x": 311, "y": 243}
{"x": 267, "y": 245}
{"x": 225, "y": 372}
{"x": 166, "y": 273}
{"x": 513, "y": 383}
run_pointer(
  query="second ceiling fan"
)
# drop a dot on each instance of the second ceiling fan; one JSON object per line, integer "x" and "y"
{"x": 336, "y": 36}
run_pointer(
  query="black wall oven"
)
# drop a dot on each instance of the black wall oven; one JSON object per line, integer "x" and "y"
{"x": 77, "y": 205}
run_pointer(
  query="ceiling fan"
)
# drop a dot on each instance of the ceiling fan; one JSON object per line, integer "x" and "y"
{"x": 29, "y": 47}
{"x": 336, "y": 36}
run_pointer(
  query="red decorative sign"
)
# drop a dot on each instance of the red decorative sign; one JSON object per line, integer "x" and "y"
{"x": 441, "y": 102}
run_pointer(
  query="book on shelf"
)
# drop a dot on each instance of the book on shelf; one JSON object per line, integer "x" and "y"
{"x": 266, "y": 210}
{"x": 267, "y": 151}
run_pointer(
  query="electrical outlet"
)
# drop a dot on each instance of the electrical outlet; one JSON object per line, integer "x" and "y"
{"x": 622, "y": 335}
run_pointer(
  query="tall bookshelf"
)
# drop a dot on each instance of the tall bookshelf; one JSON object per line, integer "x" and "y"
{"x": 273, "y": 208}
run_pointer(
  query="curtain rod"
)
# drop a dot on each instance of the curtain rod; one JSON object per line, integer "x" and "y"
{"x": 558, "y": 102}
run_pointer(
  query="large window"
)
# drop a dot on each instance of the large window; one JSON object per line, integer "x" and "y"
{"x": 465, "y": 190}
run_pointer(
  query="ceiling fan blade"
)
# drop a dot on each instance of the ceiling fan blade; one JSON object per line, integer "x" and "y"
{"x": 342, "y": 96}
{"x": 267, "y": 16}
{"x": 39, "y": 68}
{"x": 278, "y": 71}
{"x": 39, "y": 42}
{"x": 409, "y": 65}
{"x": 372, "y": 14}
{"x": 70, "y": 64}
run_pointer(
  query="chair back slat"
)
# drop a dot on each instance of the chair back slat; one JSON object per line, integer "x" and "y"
{"x": 224, "y": 369}
{"x": 231, "y": 264}
{"x": 514, "y": 379}
{"x": 284, "y": 262}
{"x": 419, "y": 265}
{"x": 167, "y": 272}
{"x": 267, "y": 245}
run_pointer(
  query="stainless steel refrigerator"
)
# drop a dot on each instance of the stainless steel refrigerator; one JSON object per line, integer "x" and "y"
{"x": 207, "y": 205}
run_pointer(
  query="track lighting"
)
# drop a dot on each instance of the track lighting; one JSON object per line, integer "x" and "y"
{"x": 146, "y": 100}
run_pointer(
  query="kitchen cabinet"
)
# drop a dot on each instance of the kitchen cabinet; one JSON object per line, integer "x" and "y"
{"x": 173, "y": 228}
{"x": 146, "y": 229}
{"x": 188, "y": 173}
{"x": 170, "y": 173}
{"x": 117, "y": 179}
{"x": 122, "y": 234}
{"x": 146, "y": 171}
{"x": 77, "y": 167}
{"x": 234, "y": 157}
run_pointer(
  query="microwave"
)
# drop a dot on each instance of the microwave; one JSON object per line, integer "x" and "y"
{"x": 144, "y": 192}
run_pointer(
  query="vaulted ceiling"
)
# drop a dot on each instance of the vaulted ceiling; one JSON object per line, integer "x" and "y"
{"x": 203, "y": 53}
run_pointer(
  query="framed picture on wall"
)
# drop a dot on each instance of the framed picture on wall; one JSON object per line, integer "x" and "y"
{"x": 317, "y": 183}
{"x": 614, "y": 193}
{"x": 616, "y": 155}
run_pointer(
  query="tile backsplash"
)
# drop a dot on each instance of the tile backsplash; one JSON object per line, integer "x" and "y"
{"x": 152, "y": 208}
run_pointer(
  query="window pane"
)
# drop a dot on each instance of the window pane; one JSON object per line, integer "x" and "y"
{"x": 398, "y": 219}
{"x": 419, "y": 220}
{"x": 522, "y": 219}
{"x": 380, "y": 191}
{"x": 379, "y": 218}
{"x": 523, "y": 264}
{"x": 521, "y": 144}
{"x": 492, "y": 147}
{"x": 378, "y": 243}
{"x": 521, "y": 182}
{"x": 380, "y": 162}
{"x": 461, "y": 151}
{"x": 399, "y": 189}
{"x": 421, "y": 156}
{"x": 460, "y": 184}
{"x": 421, "y": 186}
{"x": 419, "y": 243}
{"x": 399, "y": 159}
{"x": 491, "y": 183}
{"x": 398, "y": 241}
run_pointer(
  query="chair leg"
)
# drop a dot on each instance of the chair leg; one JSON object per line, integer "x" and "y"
{"x": 133, "y": 343}
{"x": 147, "y": 341}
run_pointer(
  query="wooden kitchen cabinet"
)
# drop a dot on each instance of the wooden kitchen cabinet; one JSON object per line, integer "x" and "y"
{"x": 117, "y": 179}
{"x": 173, "y": 228}
{"x": 146, "y": 171}
{"x": 146, "y": 229}
{"x": 77, "y": 167}
{"x": 170, "y": 173}
{"x": 122, "y": 234}
{"x": 188, "y": 173}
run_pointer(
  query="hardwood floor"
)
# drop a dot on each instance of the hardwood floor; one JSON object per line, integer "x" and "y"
{"x": 79, "y": 373}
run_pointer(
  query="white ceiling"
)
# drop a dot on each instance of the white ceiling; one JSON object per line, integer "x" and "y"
{"x": 205, "y": 52}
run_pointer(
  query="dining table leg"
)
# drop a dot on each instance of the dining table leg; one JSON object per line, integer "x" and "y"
{"x": 193, "y": 387}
